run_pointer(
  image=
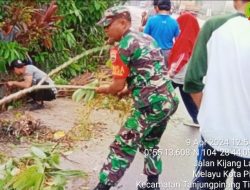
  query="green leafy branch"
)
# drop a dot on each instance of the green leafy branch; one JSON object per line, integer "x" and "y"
{"x": 37, "y": 171}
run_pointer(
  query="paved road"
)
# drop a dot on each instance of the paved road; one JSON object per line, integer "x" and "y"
{"x": 179, "y": 156}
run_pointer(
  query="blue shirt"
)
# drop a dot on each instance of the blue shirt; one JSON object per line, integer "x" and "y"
{"x": 163, "y": 28}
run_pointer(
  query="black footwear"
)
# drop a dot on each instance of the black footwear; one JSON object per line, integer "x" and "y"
{"x": 102, "y": 186}
{"x": 152, "y": 183}
{"x": 35, "y": 106}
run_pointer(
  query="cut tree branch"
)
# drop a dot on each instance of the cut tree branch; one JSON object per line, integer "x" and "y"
{"x": 21, "y": 93}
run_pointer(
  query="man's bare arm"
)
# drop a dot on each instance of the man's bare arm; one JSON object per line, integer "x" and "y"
{"x": 116, "y": 86}
{"x": 21, "y": 84}
{"x": 197, "y": 98}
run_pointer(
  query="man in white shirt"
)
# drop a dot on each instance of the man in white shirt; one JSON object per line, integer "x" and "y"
{"x": 218, "y": 80}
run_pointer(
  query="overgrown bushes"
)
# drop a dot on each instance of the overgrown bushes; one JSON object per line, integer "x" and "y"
{"x": 69, "y": 31}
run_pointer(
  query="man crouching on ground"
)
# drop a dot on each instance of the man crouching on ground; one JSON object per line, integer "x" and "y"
{"x": 32, "y": 76}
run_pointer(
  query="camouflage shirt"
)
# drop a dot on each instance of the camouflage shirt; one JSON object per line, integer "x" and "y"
{"x": 147, "y": 79}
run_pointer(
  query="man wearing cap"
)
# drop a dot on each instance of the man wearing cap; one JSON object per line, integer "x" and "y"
{"x": 163, "y": 28}
{"x": 139, "y": 66}
{"x": 32, "y": 76}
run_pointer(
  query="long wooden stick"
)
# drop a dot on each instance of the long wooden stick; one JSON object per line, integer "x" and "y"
{"x": 70, "y": 61}
{"x": 21, "y": 93}
{"x": 33, "y": 88}
{"x": 65, "y": 86}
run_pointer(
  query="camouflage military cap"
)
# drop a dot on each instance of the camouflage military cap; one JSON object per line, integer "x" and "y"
{"x": 113, "y": 13}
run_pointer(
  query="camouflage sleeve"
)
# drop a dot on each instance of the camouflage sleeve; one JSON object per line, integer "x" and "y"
{"x": 129, "y": 48}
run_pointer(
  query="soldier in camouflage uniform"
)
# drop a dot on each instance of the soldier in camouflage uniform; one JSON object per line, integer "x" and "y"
{"x": 138, "y": 67}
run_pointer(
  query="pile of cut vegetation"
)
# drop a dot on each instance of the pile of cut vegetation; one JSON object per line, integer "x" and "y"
{"x": 20, "y": 126}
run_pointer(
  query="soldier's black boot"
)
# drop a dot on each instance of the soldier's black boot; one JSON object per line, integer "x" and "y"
{"x": 102, "y": 186}
{"x": 152, "y": 183}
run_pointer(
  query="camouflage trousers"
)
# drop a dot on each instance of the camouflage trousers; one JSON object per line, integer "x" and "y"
{"x": 143, "y": 131}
